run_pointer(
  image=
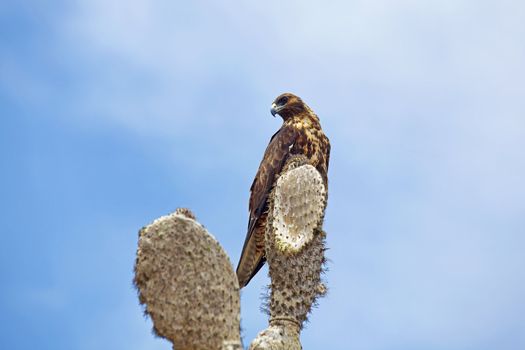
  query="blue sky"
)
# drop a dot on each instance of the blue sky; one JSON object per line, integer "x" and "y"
{"x": 117, "y": 112}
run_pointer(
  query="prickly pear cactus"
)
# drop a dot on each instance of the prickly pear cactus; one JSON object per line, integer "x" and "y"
{"x": 186, "y": 283}
{"x": 188, "y": 287}
{"x": 294, "y": 244}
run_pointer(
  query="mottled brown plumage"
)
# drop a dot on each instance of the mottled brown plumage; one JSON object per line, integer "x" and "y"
{"x": 300, "y": 133}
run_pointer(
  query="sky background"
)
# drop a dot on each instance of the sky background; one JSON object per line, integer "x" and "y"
{"x": 115, "y": 112}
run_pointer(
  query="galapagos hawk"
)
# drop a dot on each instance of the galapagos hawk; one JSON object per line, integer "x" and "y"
{"x": 300, "y": 133}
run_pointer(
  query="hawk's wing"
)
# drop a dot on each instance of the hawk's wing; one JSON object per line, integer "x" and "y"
{"x": 252, "y": 256}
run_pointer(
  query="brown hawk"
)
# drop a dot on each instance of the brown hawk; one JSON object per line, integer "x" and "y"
{"x": 301, "y": 134}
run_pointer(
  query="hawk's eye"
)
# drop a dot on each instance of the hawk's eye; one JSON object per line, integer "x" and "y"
{"x": 282, "y": 101}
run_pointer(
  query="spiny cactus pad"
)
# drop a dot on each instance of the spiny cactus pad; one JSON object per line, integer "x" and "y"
{"x": 298, "y": 207}
{"x": 296, "y": 280}
{"x": 187, "y": 284}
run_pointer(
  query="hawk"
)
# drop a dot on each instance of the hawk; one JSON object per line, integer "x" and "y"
{"x": 300, "y": 134}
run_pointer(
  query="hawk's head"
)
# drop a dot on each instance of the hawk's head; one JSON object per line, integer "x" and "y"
{"x": 287, "y": 105}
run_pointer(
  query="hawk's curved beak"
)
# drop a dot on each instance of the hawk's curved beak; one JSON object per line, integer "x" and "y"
{"x": 274, "y": 109}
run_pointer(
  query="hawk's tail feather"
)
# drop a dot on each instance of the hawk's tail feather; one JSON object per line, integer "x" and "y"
{"x": 252, "y": 259}
{"x": 245, "y": 278}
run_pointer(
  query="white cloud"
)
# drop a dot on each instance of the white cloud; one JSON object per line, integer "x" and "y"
{"x": 160, "y": 63}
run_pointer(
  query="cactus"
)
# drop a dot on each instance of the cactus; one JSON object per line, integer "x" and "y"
{"x": 294, "y": 244}
{"x": 188, "y": 287}
{"x": 186, "y": 282}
